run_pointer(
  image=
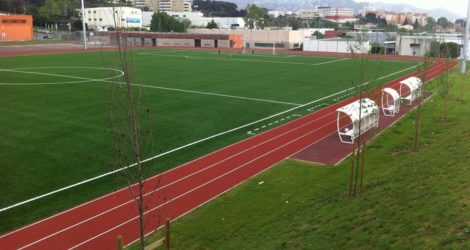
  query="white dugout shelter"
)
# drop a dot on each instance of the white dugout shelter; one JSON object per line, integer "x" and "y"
{"x": 390, "y": 102}
{"x": 410, "y": 89}
{"x": 362, "y": 113}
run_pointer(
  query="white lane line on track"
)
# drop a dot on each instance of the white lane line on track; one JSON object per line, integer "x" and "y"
{"x": 185, "y": 146}
{"x": 202, "y": 185}
{"x": 181, "y": 179}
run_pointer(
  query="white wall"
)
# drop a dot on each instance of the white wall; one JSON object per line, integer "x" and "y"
{"x": 121, "y": 17}
{"x": 335, "y": 45}
{"x": 197, "y": 19}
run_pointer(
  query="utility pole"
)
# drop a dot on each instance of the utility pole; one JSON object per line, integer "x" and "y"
{"x": 84, "y": 26}
{"x": 463, "y": 64}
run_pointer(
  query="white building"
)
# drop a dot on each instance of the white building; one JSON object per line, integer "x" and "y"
{"x": 335, "y": 45}
{"x": 416, "y": 45}
{"x": 278, "y": 13}
{"x": 139, "y": 3}
{"x": 119, "y": 17}
{"x": 169, "y": 5}
{"x": 197, "y": 19}
{"x": 308, "y": 13}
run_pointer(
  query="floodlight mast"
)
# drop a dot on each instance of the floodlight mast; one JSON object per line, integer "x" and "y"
{"x": 463, "y": 64}
{"x": 84, "y": 26}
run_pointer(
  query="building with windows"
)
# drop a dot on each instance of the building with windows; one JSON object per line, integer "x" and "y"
{"x": 139, "y": 3}
{"x": 169, "y": 5}
{"x": 199, "y": 20}
{"x": 263, "y": 39}
{"x": 185, "y": 40}
{"x": 16, "y": 28}
{"x": 117, "y": 17}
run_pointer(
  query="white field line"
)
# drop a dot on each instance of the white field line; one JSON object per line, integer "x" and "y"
{"x": 339, "y": 60}
{"x": 178, "y": 180}
{"x": 216, "y": 94}
{"x": 184, "y": 146}
{"x": 85, "y": 79}
{"x": 204, "y": 184}
{"x": 262, "y": 61}
{"x": 121, "y": 73}
{"x": 259, "y": 54}
{"x": 162, "y": 52}
{"x": 248, "y": 60}
{"x": 226, "y": 53}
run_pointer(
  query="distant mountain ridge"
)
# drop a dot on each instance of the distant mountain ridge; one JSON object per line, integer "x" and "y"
{"x": 308, "y": 4}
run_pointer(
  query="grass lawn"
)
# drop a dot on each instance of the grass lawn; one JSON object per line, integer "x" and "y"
{"x": 53, "y": 111}
{"x": 413, "y": 200}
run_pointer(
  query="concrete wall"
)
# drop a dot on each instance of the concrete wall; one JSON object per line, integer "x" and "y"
{"x": 122, "y": 17}
{"x": 335, "y": 45}
{"x": 289, "y": 39}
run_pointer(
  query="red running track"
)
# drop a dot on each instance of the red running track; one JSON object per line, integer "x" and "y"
{"x": 96, "y": 224}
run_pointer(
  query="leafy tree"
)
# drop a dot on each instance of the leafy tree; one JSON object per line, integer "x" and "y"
{"x": 162, "y": 22}
{"x": 371, "y": 18}
{"x": 56, "y": 10}
{"x": 361, "y": 19}
{"x": 212, "y": 25}
{"x": 382, "y": 22}
{"x": 255, "y": 16}
{"x": 318, "y": 34}
{"x": 444, "y": 22}
{"x": 321, "y": 23}
{"x": 405, "y": 22}
{"x": 218, "y": 8}
{"x": 430, "y": 24}
{"x": 416, "y": 25}
{"x": 450, "y": 50}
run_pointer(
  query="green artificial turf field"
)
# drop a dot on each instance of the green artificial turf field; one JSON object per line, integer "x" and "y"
{"x": 53, "y": 111}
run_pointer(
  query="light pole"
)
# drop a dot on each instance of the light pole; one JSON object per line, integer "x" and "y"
{"x": 463, "y": 64}
{"x": 84, "y": 26}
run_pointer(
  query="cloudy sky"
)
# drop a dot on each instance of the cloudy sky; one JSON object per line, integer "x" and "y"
{"x": 456, "y": 6}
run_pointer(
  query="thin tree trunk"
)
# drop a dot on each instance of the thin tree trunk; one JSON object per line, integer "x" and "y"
{"x": 446, "y": 102}
{"x": 417, "y": 125}
{"x": 361, "y": 186}
{"x": 352, "y": 170}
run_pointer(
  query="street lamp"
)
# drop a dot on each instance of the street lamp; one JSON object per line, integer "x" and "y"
{"x": 463, "y": 64}
{"x": 84, "y": 26}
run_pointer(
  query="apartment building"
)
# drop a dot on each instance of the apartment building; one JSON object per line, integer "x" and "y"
{"x": 169, "y": 5}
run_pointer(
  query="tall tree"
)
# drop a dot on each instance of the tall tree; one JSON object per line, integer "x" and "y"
{"x": 255, "y": 16}
{"x": 162, "y": 22}
{"x": 371, "y": 18}
{"x": 444, "y": 22}
{"x": 212, "y": 25}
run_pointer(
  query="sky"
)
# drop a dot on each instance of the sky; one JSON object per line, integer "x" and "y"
{"x": 457, "y": 6}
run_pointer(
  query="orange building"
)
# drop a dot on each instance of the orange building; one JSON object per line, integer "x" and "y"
{"x": 16, "y": 28}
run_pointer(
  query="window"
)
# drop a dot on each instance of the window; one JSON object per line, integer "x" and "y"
{"x": 101, "y": 19}
{"x": 94, "y": 19}
{"x": 94, "y": 11}
{"x": 89, "y": 19}
{"x": 89, "y": 12}
{"x": 415, "y": 45}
